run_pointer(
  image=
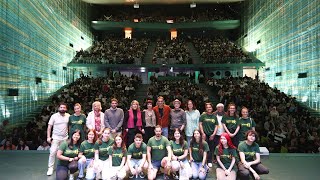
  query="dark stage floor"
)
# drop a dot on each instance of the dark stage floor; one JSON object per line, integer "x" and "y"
{"x": 32, "y": 165}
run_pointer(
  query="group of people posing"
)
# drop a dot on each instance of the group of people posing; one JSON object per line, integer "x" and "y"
{"x": 135, "y": 143}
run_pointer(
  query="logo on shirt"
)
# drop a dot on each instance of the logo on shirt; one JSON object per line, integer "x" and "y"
{"x": 177, "y": 150}
{"x": 247, "y": 124}
{"x": 210, "y": 120}
{"x": 104, "y": 149}
{"x": 77, "y": 122}
{"x": 228, "y": 156}
{"x": 117, "y": 155}
{"x": 249, "y": 153}
{"x": 158, "y": 147}
{"x": 68, "y": 151}
{"x": 88, "y": 150}
{"x": 231, "y": 121}
{"x": 137, "y": 154}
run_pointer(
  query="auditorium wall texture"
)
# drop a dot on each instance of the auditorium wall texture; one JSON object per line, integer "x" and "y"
{"x": 38, "y": 38}
{"x": 285, "y": 35}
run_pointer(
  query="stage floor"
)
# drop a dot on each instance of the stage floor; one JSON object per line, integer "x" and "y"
{"x": 32, "y": 165}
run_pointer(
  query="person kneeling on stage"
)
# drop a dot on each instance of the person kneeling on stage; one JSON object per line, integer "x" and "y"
{"x": 179, "y": 157}
{"x": 117, "y": 155}
{"x": 250, "y": 157}
{"x": 158, "y": 154}
{"x": 86, "y": 155}
{"x": 136, "y": 157}
{"x": 68, "y": 156}
{"x": 101, "y": 158}
{"x": 198, "y": 155}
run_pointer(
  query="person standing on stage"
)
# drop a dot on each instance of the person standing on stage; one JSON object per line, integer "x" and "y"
{"x": 178, "y": 117}
{"x": 192, "y": 116}
{"x": 113, "y": 118}
{"x": 150, "y": 120}
{"x": 58, "y": 123}
{"x": 95, "y": 119}
{"x": 162, "y": 112}
{"x": 208, "y": 127}
{"x": 77, "y": 121}
{"x": 246, "y": 123}
{"x": 231, "y": 125}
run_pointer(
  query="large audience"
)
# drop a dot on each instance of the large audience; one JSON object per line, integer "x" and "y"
{"x": 284, "y": 125}
{"x": 164, "y": 13}
{"x": 219, "y": 50}
{"x": 113, "y": 51}
{"x": 173, "y": 51}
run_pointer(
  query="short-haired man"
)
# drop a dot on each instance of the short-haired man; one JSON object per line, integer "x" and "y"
{"x": 59, "y": 123}
{"x": 158, "y": 154}
{"x": 162, "y": 112}
{"x": 113, "y": 118}
{"x": 136, "y": 157}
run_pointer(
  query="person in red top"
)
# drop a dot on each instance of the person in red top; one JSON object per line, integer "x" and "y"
{"x": 162, "y": 112}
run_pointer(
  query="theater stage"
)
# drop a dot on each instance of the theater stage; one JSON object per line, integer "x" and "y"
{"x": 32, "y": 165}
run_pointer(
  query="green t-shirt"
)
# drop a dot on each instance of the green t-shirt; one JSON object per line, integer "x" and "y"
{"x": 158, "y": 148}
{"x": 249, "y": 151}
{"x": 103, "y": 148}
{"x": 117, "y": 155}
{"x": 77, "y": 122}
{"x": 231, "y": 123}
{"x": 209, "y": 123}
{"x": 245, "y": 125}
{"x": 71, "y": 153}
{"x": 197, "y": 157}
{"x": 87, "y": 149}
{"x": 226, "y": 156}
{"x": 136, "y": 153}
{"x": 177, "y": 149}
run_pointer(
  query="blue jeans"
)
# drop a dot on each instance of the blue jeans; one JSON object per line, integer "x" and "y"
{"x": 82, "y": 166}
{"x": 165, "y": 131}
{"x": 189, "y": 140}
{"x": 196, "y": 173}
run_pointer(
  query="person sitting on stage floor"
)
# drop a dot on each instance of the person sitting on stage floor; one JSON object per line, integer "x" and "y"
{"x": 180, "y": 152}
{"x": 250, "y": 157}
{"x": 198, "y": 155}
{"x": 117, "y": 155}
{"x": 86, "y": 155}
{"x": 68, "y": 156}
{"x": 101, "y": 156}
{"x": 136, "y": 157}
{"x": 158, "y": 154}
{"x": 226, "y": 154}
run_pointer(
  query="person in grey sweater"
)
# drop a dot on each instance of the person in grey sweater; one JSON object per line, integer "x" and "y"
{"x": 113, "y": 118}
{"x": 178, "y": 117}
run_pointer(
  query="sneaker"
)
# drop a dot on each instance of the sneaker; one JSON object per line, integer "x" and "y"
{"x": 71, "y": 177}
{"x": 175, "y": 176}
{"x": 131, "y": 176}
{"x": 141, "y": 174}
{"x": 50, "y": 171}
{"x": 210, "y": 165}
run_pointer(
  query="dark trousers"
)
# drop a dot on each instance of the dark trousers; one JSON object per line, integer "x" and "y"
{"x": 211, "y": 147}
{"x": 62, "y": 172}
{"x": 149, "y": 133}
{"x": 244, "y": 173}
{"x": 130, "y": 135}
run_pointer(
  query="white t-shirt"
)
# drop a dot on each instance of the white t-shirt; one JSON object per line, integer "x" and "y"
{"x": 60, "y": 126}
{"x": 220, "y": 129}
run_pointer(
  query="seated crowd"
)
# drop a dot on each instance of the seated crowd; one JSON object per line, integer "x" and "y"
{"x": 219, "y": 50}
{"x": 113, "y": 51}
{"x": 284, "y": 125}
{"x": 171, "y": 52}
{"x": 138, "y": 142}
{"x": 163, "y": 13}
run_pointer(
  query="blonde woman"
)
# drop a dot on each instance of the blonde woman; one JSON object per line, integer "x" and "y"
{"x": 133, "y": 123}
{"x": 95, "y": 119}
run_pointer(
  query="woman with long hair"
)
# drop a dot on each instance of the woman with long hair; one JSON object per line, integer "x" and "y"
{"x": 246, "y": 123}
{"x": 198, "y": 151}
{"x": 230, "y": 123}
{"x": 68, "y": 156}
{"x": 117, "y": 159}
{"x": 86, "y": 155}
{"x": 7, "y": 145}
{"x": 249, "y": 153}
{"x": 192, "y": 115}
{"x": 208, "y": 127}
{"x": 226, "y": 154}
{"x": 133, "y": 123}
{"x": 180, "y": 152}
{"x": 22, "y": 145}
{"x": 101, "y": 157}
{"x": 150, "y": 120}
{"x": 95, "y": 119}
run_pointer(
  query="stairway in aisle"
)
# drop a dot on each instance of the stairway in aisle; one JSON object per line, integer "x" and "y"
{"x": 212, "y": 93}
{"x": 149, "y": 54}
{"x": 141, "y": 93}
{"x": 196, "y": 59}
